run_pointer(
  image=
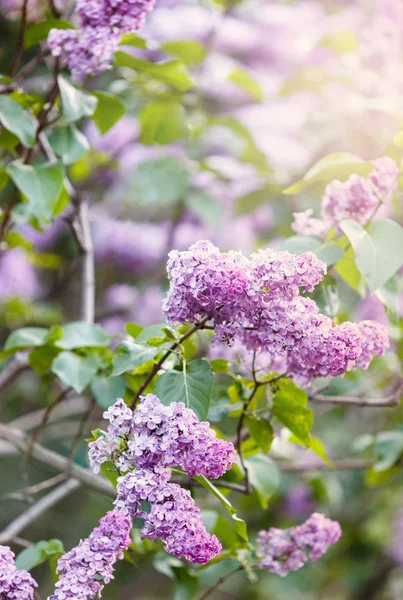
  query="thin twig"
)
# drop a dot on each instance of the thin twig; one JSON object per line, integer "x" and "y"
{"x": 239, "y": 436}
{"x": 34, "y": 489}
{"x": 56, "y": 461}
{"x": 35, "y": 511}
{"x": 31, "y": 66}
{"x": 388, "y": 402}
{"x": 80, "y": 431}
{"x": 220, "y": 581}
{"x": 14, "y": 367}
{"x": 88, "y": 274}
{"x": 70, "y": 407}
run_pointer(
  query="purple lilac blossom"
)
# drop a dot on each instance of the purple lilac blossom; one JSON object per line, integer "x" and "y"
{"x": 89, "y": 49}
{"x": 15, "y": 584}
{"x": 306, "y": 224}
{"x": 89, "y": 566}
{"x": 257, "y": 302}
{"x": 283, "y": 550}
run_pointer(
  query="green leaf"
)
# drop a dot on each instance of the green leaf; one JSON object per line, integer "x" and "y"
{"x": 83, "y": 335}
{"x": 206, "y": 207}
{"x": 189, "y": 51}
{"x": 75, "y": 103}
{"x": 27, "y": 337}
{"x": 240, "y": 525}
{"x": 68, "y": 143}
{"x": 39, "y": 553}
{"x": 16, "y": 240}
{"x": 289, "y": 407}
{"x": 244, "y": 80}
{"x": 41, "y": 358}
{"x": 186, "y": 583}
{"x": 192, "y": 386}
{"x": 110, "y": 109}
{"x": 39, "y": 31}
{"x": 4, "y": 178}
{"x": 75, "y": 371}
{"x": 298, "y": 244}
{"x": 16, "y": 120}
{"x": 379, "y": 252}
{"x": 339, "y": 165}
{"x": 131, "y": 39}
{"x": 106, "y": 390}
{"x": 130, "y": 355}
{"x": 219, "y": 365}
{"x": 388, "y": 449}
{"x": 261, "y": 431}
{"x": 162, "y": 181}
{"x": 264, "y": 477}
{"x": 40, "y": 184}
{"x": 171, "y": 73}
{"x": 109, "y": 471}
{"x": 252, "y": 200}
{"x": 347, "y": 269}
{"x": 162, "y": 122}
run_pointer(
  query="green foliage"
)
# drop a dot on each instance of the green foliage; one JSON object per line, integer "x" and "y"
{"x": 82, "y": 335}
{"x": 246, "y": 82}
{"x": 17, "y": 121}
{"x": 106, "y": 390}
{"x": 68, "y": 143}
{"x": 264, "y": 477}
{"x": 75, "y": 371}
{"x": 192, "y": 386}
{"x": 261, "y": 431}
{"x": 39, "y": 31}
{"x": 162, "y": 181}
{"x": 173, "y": 73}
{"x": 378, "y": 252}
{"x": 42, "y": 186}
{"x": 162, "y": 122}
{"x": 39, "y": 553}
{"x": 109, "y": 110}
{"x": 290, "y": 408}
{"x": 328, "y": 252}
{"x": 27, "y": 337}
{"x": 75, "y": 103}
{"x": 130, "y": 355}
{"x": 339, "y": 165}
{"x": 189, "y": 51}
{"x": 206, "y": 207}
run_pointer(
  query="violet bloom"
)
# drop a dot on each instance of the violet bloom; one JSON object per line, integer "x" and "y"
{"x": 306, "y": 224}
{"x": 15, "y": 584}
{"x": 283, "y": 550}
{"x": 86, "y": 569}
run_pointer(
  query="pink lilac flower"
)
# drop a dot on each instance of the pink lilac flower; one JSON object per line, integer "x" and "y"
{"x": 306, "y": 224}
{"x": 374, "y": 342}
{"x": 283, "y": 550}
{"x": 89, "y": 566}
{"x": 89, "y": 49}
{"x": 384, "y": 176}
{"x": 173, "y": 516}
{"x": 15, "y": 584}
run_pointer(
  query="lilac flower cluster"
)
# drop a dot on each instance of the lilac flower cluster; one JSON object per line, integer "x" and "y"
{"x": 89, "y": 49}
{"x": 256, "y": 302}
{"x": 89, "y": 566}
{"x": 15, "y": 584}
{"x": 152, "y": 439}
{"x": 283, "y": 550}
{"x": 356, "y": 198}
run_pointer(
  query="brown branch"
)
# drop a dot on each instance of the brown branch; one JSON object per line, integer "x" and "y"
{"x": 13, "y": 369}
{"x": 31, "y": 65}
{"x": 239, "y": 435}
{"x": 21, "y": 38}
{"x": 56, "y": 461}
{"x": 220, "y": 581}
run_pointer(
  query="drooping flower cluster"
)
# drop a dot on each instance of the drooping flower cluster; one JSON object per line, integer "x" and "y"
{"x": 256, "y": 302}
{"x": 152, "y": 439}
{"x": 356, "y": 198}
{"x": 89, "y": 566}
{"x": 15, "y": 584}
{"x": 283, "y": 550}
{"x": 90, "y": 49}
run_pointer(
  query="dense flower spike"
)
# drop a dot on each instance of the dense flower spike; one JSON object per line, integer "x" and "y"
{"x": 283, "y": 550}
{"x": 89, "y": 566}
{"x": 150, "y": 440}
{"x": 89, "y": 49}
{"x": 257, "y": 302}
{"x": 15, "y": 584}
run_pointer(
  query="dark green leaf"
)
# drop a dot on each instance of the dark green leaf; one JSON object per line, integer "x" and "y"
{"x": 289, "y": 407}
{"x": 39, "y": 31}
{"x": 40, "y": 184}
{"x": 68, "y": 143}
{"x": 192, "y": 386}
{"x": 130, "y": 355}
{"x": 75, "y": 371}
{"x": 75, "y": 103}
{"x": 261, "y": 431}
{"x": 15, "y": 119}
{"x": 83, "y": 335}
{"x": 109, "y": 110}
{"x": 106, "y": 390}
{"x": 264, "y": 476}
{"x": 39, "y": 553}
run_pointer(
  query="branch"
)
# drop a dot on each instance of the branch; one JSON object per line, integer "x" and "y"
{"x": 14, "y": 367}
{"x": 56, "y": 461}
{"x": 239, "y": 434}
{"x": 72, "y": 406}
{"x": 390, "y": 401}
{"x": 88, "y": 274}
{"x": 21, "y": 39}
{"x": 35, "y": 511}
{"x": 220, "y": 581}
